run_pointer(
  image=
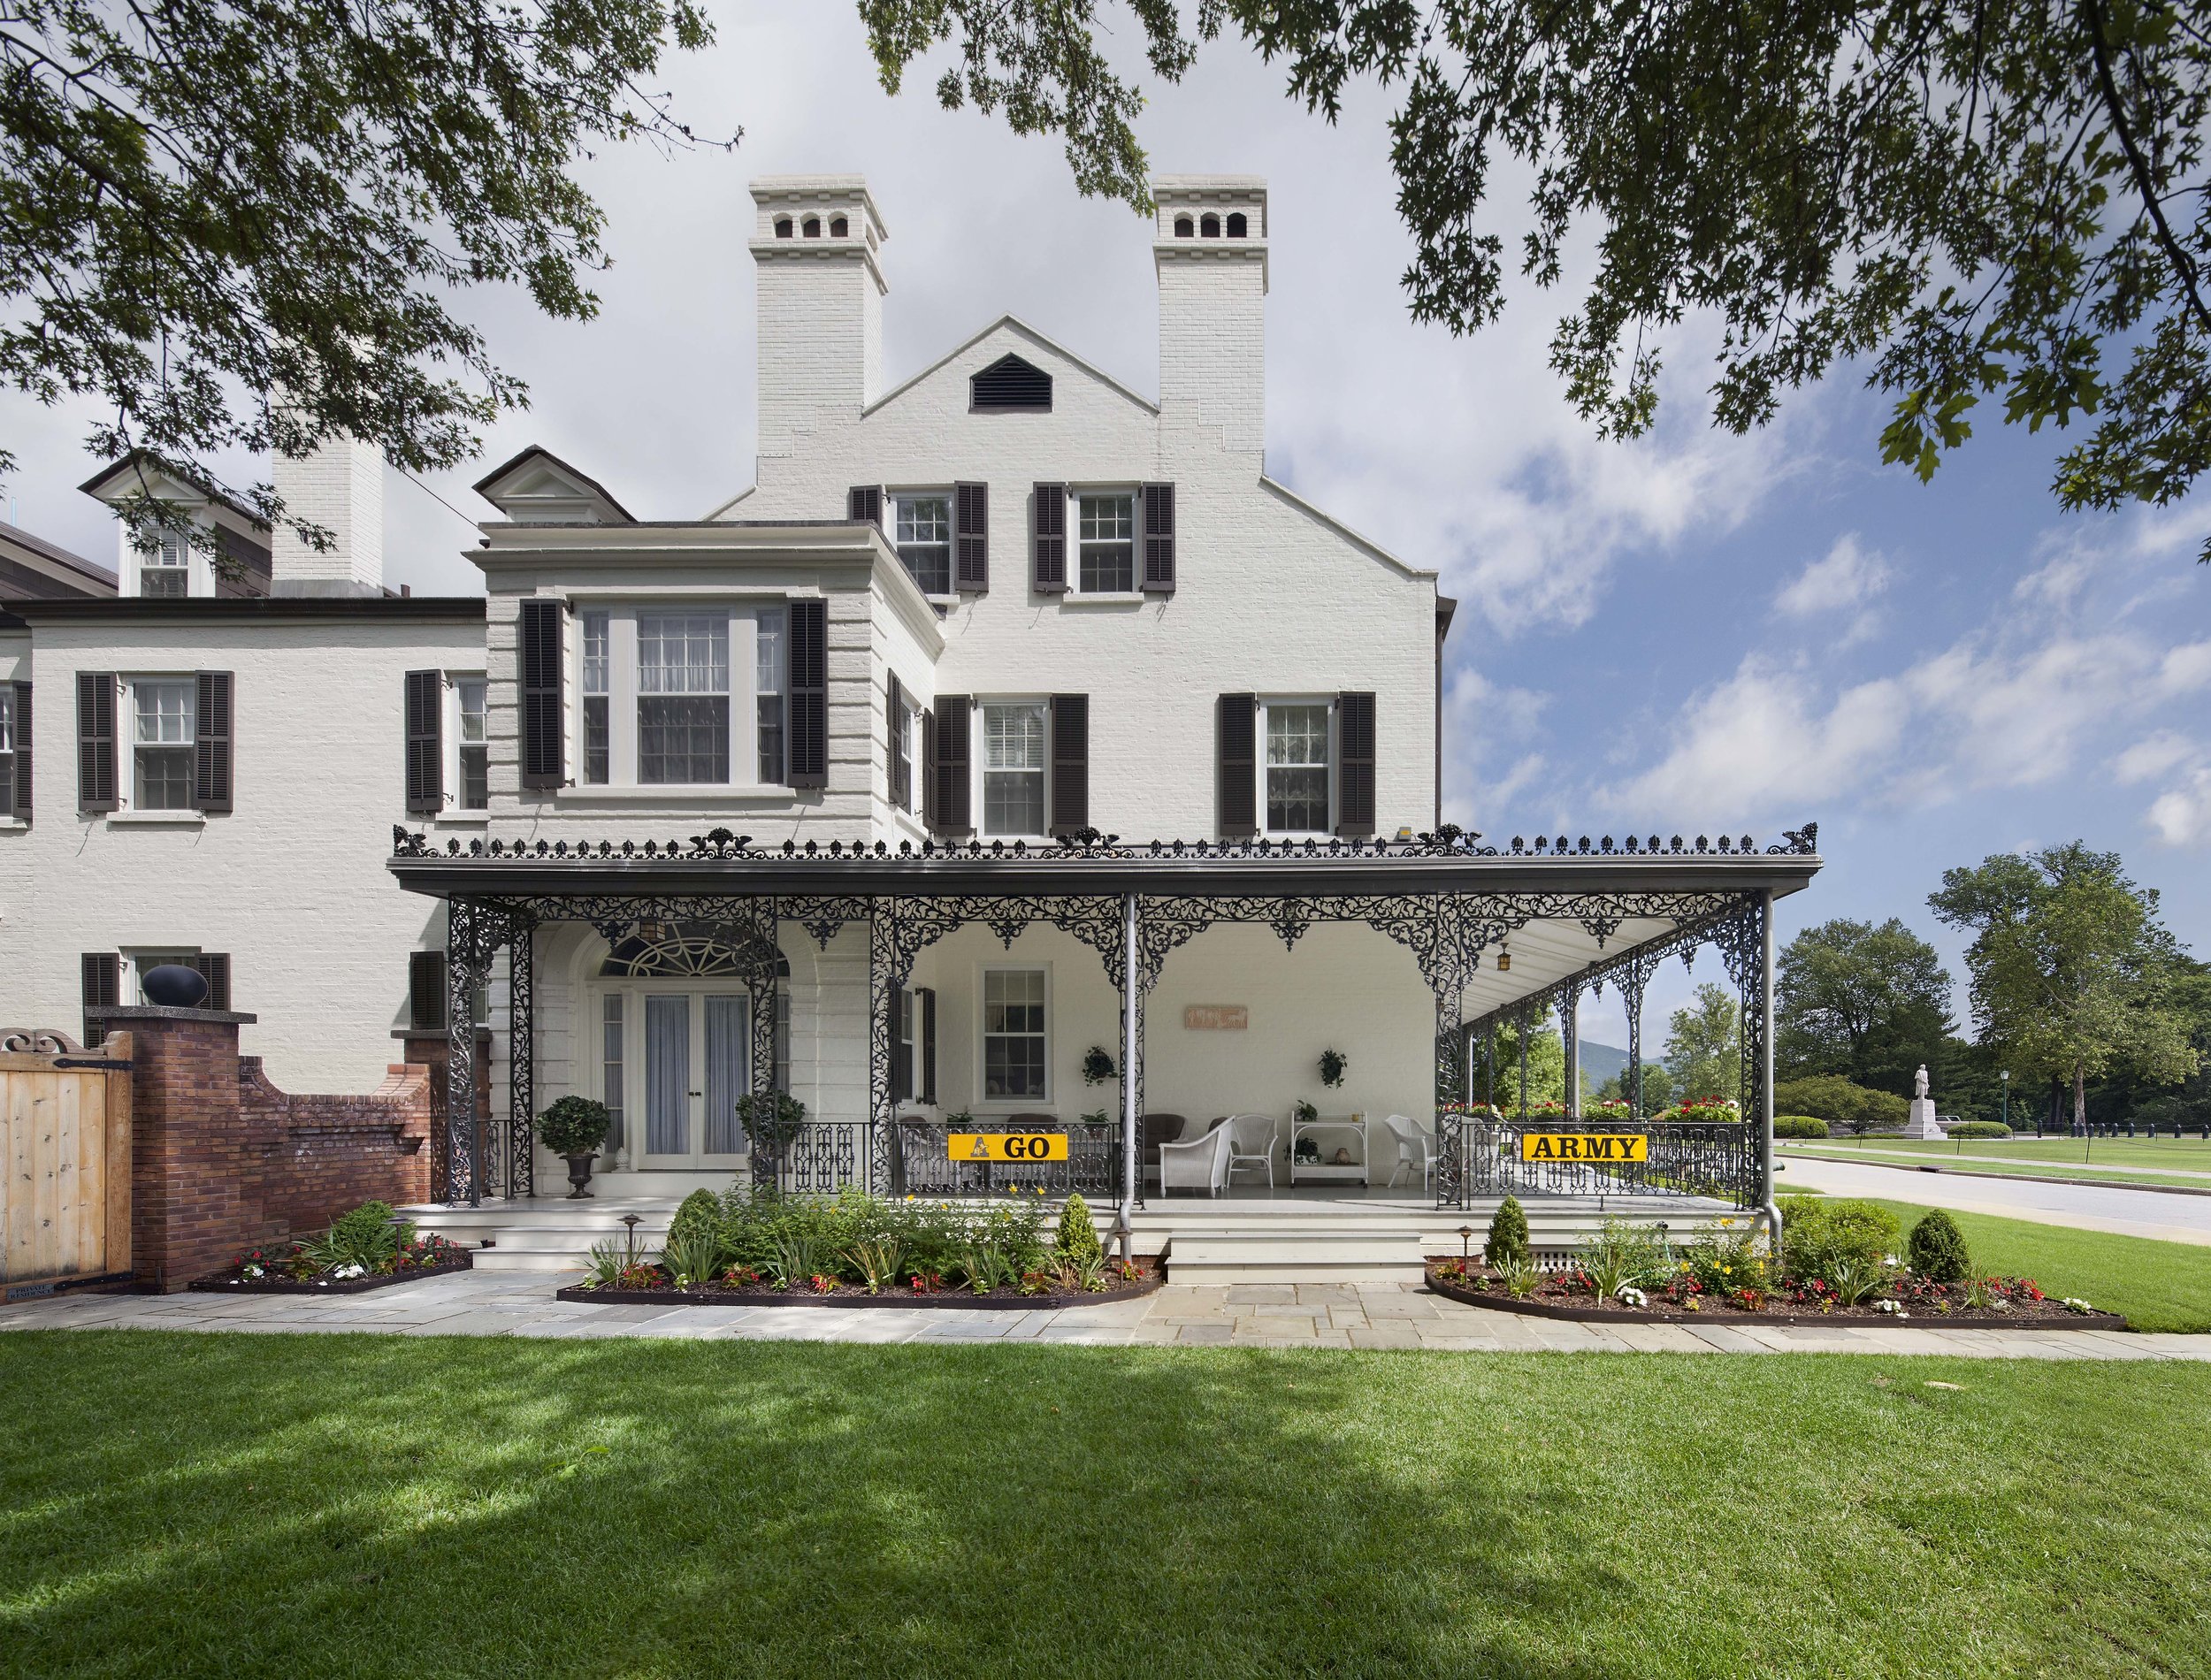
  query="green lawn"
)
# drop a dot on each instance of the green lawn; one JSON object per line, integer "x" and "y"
{"x": 2187, "y": 1154}
{"x": 2158, "y": 1285}
{"x": 330, "y": 1507}
{"x": 1910, "y": 1154}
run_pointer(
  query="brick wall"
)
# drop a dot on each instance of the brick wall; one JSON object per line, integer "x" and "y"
{"x": 221, "y": 1159}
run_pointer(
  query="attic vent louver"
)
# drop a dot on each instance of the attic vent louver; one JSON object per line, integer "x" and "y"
{"x": 1010, "y": 382}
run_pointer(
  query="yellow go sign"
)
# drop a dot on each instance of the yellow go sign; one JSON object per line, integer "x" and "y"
{"x": 1007, "y": 1146}
{"x": 1584, "y": 1146}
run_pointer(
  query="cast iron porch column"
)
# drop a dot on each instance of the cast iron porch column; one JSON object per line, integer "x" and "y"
{"x": 1131, "y": 1077}
{"x": 1765, "y": 1074}
{"x": 521, "y": 1057}
{"x": 461, "y": 1186}
{"x": 1631, "y": 979}
{"x": 1523, "y": 1025}
{"x": 1570, "y": 1034}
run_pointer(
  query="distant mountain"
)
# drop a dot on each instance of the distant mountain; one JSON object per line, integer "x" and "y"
{"x": 1600, "y": 1063}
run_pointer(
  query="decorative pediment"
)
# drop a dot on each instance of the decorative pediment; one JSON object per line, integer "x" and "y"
{"x": 537, "y": 488}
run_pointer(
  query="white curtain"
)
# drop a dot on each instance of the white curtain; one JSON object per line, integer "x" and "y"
{"x": 668, "y": 1075}
{"x": 728, "y": 1027}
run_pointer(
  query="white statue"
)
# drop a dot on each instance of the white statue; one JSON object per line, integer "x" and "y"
{"x": 1919, "y": 1083}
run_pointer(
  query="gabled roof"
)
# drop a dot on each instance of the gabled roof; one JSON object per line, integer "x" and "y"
{"x": 130, "y": 475}
{"x": 1012, "y": 324}
{"x": 72, "y": 573}
{"x": 538, "y": 487}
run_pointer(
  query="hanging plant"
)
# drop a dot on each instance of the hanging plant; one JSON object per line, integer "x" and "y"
{"x": 1097, "y": 1066}
{"x": 1332, "y": 1064}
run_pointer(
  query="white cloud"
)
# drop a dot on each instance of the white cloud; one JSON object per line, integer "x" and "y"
{"x": 2151, "y": 756}
{"x": 1847, "y": 575}
{"x": 2181, "y": 816}
{"x": 2185, "y": 668}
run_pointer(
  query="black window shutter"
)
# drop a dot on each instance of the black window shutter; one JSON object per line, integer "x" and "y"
{"x": 1239, "y": 764}
{"x": 952, "y": 814}
{"x": 425, "y": 748}
{"x": 927, "y": 726}
{"x": 926, "y": 1008}
{"x": 544, "y": 726}
{"x": 893, "y": 732}
{"x": 971, "y": 536}
{"x": 426, "y": 1007}
{"x": 1159, "y": 540}
{"x": 1070, "y": 763}
{"x": 1048, "y": 540}
{"x": 807, "y": 754}
{"x": 214, "y": 967}
{"x": 213, "y": 727}
{"x": 103, "y": 972}
{"x": 19, "y": 798}
{"x": 95, "y": 741}
{"x": 864, "y": 502}
{"x": 1355, "y": 765}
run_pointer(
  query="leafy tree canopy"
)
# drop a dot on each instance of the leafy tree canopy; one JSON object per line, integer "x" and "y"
{"x": 1843, "y": 1105}
{"x": 2073, "y": 974}
{"x": 1869, "y": 1003}
{"x": 1546, "y": 1065}
{"x": 209, "y": 201}
{"x": 1704, "y": 1046}
{"x": 1976, "y": 202}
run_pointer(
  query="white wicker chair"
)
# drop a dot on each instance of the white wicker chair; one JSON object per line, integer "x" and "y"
{"x": 1252, "y": 1146}
{"x": 1202, "y": 1163}
{"x": 1415, "y": 1149}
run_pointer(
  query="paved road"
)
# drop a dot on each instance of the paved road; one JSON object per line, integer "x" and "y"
{"x": 1259, "y": 1314}
{"x": 2134, "y": 1213}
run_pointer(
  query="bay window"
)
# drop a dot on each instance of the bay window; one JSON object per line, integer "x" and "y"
{"x": 683, "y": 694}
{"x": 596, "y": 670}
{"x": 770, "y": 685}
{"x": 683, "y": 703}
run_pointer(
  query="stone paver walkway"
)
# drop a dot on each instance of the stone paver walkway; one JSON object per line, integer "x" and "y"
{"x": 508, "y": 1304}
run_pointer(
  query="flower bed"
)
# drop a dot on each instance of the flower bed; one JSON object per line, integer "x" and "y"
{"x": 367, "y": 1248}
{"x": 655, "y": 1285}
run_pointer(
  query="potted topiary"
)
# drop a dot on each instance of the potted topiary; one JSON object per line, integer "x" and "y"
{"x": 772, "y": 1119}
{"x": 573, "y": 1128}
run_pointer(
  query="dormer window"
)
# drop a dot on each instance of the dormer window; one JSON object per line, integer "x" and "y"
{"x": 1011, "y": 385}
{"x": 840, "y": 228}
{"x": 783, "y": 227}
{"x": 164, "y": 570}
{"x": 1236, "y": 224}
{"x": 1209, "y": 225}
{"x": 812, "y": 226}
{"x": 1184, "y": 227}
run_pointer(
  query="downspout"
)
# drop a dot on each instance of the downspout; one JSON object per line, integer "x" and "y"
{"x": 1124, "y": 1231}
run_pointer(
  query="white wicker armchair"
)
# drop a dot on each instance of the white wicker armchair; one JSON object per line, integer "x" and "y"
{"x": 1415, "y": 1151}
{"x": 1202, "y": 1163}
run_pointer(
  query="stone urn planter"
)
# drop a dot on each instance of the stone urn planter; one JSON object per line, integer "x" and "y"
{"x": 573, "y": 1128}
{"x": 580, "y": 1172}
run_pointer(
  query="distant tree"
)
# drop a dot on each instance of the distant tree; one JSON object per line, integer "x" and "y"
{"x": 2073, "y": 974}
{"x": 1968, "y": 202}
{"x": 2122, "y": 1094}
{"x": 241, "y": 223}
{"x": 1869, "y": 1003}
{"x": 1845, "y": 1106}
{"x": 1704, "y": 1046}
{"x": 1546, "y": 1065}
{"x": 1658, "y": 1087}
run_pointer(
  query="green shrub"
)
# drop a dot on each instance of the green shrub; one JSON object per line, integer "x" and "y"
{"x": 362, "y": 1236}
{"x": 698, "y": 1220}
{"x": 1832, "y": 1098}
{"x": 1937, "y": 1248}
{"x": 1799, "y": 1126}
{"x": 1507, "y": 1234}
{"x": 1077, "y": 1240}
{"x": 763, "y": 1229}
{"x": 1978, "y": 1128}
{"x": 1817, "y": 1232}
{"x": 573, "y": 1125}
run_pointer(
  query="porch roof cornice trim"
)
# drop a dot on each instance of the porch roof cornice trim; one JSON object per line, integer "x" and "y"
{"x": 1395, "y": 868}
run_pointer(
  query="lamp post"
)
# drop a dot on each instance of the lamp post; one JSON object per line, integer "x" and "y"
{"x": 2006, "y": 1076}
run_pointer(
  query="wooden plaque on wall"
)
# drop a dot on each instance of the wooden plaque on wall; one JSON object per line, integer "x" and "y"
{"x": 1216, "y": 1017}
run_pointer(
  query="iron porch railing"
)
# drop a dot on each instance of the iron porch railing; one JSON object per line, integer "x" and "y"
{"x": 1479, "y": 1158}
{"x": 824, "y": 1157}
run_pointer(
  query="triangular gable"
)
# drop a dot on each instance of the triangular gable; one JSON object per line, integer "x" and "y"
{"x": 537, "y": 488}
{"x": 135, "y": 474}
{"x": 1033, "y": 347}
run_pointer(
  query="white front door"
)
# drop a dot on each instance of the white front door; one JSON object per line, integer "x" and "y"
{"x": 697, "y": 1064}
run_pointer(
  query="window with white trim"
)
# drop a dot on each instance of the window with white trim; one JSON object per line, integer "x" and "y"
{"x": 597, "y": 766}
{"x": 1297, "y": 768}
{"x": 902, "y": 726}
{"x": 1013, "y": 767}
{"x": 905, "y": 1063}
{"x": 924, "y": 539}
{"x": 610, "y": 1065}
{"x": 1016, "y": 1046}
{"x": 164, "y": 568}
{"x": 682, "y": 700}
{"x": 1106, "y": 532}
{"x": 472, "y": 781}
{"x": 7, "y": 745}
{"x": 770, "y": 683}
{"x": 161, "y": 718}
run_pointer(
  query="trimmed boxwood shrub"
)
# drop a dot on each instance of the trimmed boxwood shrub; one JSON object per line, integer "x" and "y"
{"x": 1979, "y": 1129}
{"x": 1817, "y": 1230}
{"x": 1798, "y": 1125}
{"x": 1937, "y": 1248}
{"x": 573, "y": 1125}
{"x": 1508, "y": 1233}
{"x": 700, "y": 1216}
{"x": 1075, "y": 1242}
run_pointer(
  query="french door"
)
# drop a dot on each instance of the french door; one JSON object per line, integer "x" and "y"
{"x": 697, "y": 1064}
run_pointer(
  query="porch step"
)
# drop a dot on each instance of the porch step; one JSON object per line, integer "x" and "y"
{"x": 1294, "y": 1257}
{"x": 545, "y": 1235}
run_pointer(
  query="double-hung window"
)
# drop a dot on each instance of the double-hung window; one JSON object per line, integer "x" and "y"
{"x": 1297, "y": 789}
{"x": 597, "y": 672}
{"x": 902, "y": 779}
{"x": 1106, "y": 531}
{"x": 164, "y": 569}
{"x": 924, "y": 540}
{"x": 1013, "y": 1039}
{"x": 770, "y": 640}
{"x": 683, "y": 704}
{"x": 1014, "y": 768}
{"x": 474, "y": 780}
{"x": 161, "y": 743}
{"x": 7, "y": 746}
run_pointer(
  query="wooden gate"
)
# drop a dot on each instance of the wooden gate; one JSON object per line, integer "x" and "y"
{"x": 65, "y": 1143}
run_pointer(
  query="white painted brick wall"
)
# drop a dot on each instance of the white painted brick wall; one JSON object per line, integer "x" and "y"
{"x": 341, "y": 487}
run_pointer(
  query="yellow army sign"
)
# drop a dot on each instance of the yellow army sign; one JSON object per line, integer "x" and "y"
{"x": 1584, "y": 1146}
{"x": 1007, "y": 1146}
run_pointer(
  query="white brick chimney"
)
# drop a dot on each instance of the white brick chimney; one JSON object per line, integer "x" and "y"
{"x": 817, "y": 243}
{"x": 340, "y": 487}
{"x": 1210, "y": 250}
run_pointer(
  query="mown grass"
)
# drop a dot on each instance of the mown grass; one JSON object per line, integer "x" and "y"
{"x": 2157, "y": 1286}
{"x": 332, "y": 1506}
{"x": 1996, "y": 1159}
{"x": 2185, "y": 1154}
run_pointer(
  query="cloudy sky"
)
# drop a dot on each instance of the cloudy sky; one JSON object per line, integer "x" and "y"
{"x": 1693, "y": 633}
